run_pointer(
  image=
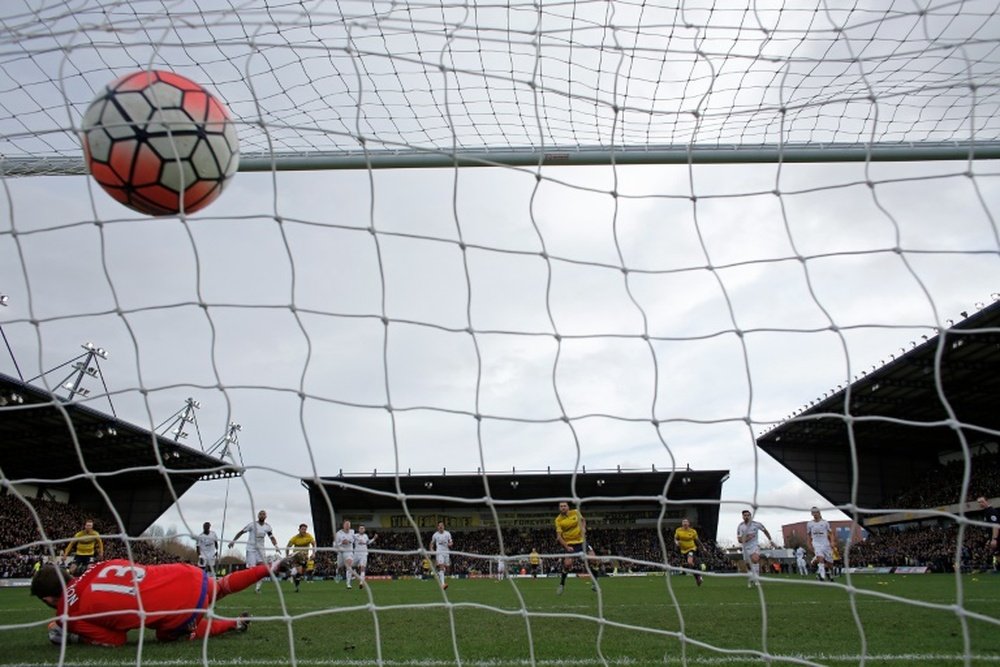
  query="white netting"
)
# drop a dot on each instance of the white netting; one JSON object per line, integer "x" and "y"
{"x": 311, "y": 77}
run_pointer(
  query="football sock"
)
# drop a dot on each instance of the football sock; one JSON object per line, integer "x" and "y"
{"x": 562, "y": 578}
{"x": 822, "y": 570}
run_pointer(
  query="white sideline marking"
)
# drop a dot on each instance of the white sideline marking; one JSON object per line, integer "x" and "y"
{"x": 589, "y": 662}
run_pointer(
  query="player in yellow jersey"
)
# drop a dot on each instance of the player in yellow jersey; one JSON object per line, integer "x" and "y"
{"x": 571, "y": 531}
{"x": 686, "y": 539}
{"x": 535, "y": 562}
{"x": 86, "y": 547}
{"x": 300, "y": 549}
{"x": 838, "y": 562}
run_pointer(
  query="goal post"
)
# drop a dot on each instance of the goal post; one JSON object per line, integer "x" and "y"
{"x": 716, "y": 240}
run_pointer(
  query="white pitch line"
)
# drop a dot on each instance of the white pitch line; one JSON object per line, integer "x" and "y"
{"x": 590, "y": 662}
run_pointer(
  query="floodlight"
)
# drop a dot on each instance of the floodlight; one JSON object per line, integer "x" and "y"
{"x": 3, "y": 299}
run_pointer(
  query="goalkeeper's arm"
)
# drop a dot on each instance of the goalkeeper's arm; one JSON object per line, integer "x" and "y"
{"x": 83, "y": 632}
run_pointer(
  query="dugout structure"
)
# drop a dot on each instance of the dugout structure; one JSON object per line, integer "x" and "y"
{"x": 520, "y": 499}
{"x": 932, "y": 403}
{"x": 101, "y": 464}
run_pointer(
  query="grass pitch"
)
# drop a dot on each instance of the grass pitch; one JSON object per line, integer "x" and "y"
{"x": 890, "y": 620}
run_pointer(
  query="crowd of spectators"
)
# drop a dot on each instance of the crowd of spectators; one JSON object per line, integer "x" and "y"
{"x": 942, "y": 485}
{"x": 935, "y": 546}
{"x": 932, "y": 546}
{"x": 398, "y": 552}
{"x": 635, "y": 549}
{"x": 22, "y": 542}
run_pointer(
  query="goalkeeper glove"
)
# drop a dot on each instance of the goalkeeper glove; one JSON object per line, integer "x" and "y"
{"x": 56, "y": 634}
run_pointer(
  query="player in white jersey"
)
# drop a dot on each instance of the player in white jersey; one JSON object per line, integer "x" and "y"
{"x": 501, "y": 569}
{"x": 821, "y": 541}
{"x": 361, "y": 541}
{"x": 746, "y": 535}
{"x": 206, "y": 543}
{"x": 441, "y": 544}
{"x": 257, "y": 533}
{"x": 343, "y": 544}
{"x": 800, "y": 561}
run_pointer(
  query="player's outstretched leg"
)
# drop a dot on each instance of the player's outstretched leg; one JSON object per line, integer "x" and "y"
{"x": 235, "y": 582}
{"x": 241, "y": 579}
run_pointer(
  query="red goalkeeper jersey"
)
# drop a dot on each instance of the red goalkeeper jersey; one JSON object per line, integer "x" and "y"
{"x": 116, "y": 596}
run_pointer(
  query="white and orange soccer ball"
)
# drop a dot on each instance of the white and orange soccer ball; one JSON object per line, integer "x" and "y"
{"x": 159, "y": 143}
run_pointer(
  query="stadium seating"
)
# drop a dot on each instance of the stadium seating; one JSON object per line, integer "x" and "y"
{"x": 22, "y": 545}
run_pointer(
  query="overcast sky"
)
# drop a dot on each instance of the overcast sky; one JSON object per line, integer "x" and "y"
{"x": 699, "y": 379}
{"x": 736, "y": 274}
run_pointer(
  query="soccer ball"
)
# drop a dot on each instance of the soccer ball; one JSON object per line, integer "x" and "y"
{"x": 159, "y": 143}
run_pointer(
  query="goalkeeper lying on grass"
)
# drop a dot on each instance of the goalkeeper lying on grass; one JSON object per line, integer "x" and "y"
{"x": 116, "y": 596}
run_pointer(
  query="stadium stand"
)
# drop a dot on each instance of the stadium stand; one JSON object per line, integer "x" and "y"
{"x": 899, "y": 419}
{"x": 142, "y": 473}
{"x": 623, "y": 516}
{"x": 942, "y": 484}
{"x": 22, "y": 543}
{"x": 59, "y": 444}
{"x": 621, "y": 549}
{"x": 930, "y": 546}
{"x": 931, "y": 541}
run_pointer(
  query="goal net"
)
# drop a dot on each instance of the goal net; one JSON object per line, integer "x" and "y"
{"x": 527, "y": 237}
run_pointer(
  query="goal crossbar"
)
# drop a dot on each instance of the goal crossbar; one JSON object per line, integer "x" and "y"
{"x": 412, "y": 158}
